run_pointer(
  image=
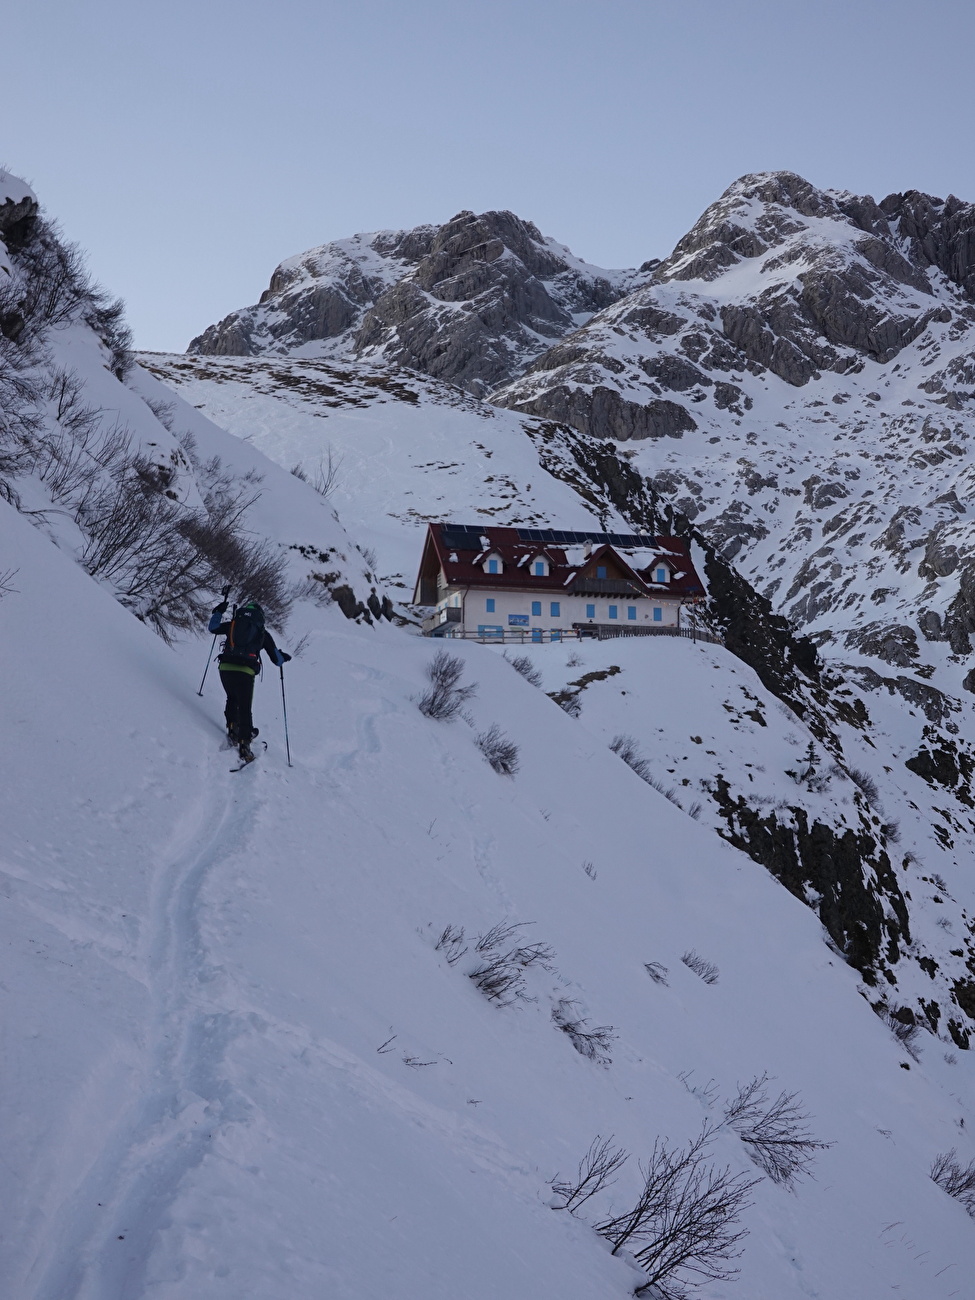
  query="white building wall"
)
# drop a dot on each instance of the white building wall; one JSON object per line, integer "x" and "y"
{"x": 572, "y": 609}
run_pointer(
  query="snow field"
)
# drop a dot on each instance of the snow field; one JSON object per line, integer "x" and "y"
{"x": 207, "y": 965}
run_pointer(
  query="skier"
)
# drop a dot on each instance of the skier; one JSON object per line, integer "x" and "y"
{"x": 240, "y": 661}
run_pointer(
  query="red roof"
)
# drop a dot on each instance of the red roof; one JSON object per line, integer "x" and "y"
{"x": 459, "y": 551}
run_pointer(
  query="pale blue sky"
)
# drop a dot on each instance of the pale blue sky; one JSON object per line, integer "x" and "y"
{"x": 191, "y": 145}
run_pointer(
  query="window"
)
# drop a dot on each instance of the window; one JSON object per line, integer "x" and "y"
{"x": 489, "y": 605}
{"x": 537, "y": 608}
{"x": 493, "y": 566}
{"x": 631, "y": 611}
{"x": 613, "y": 611}
{"x": 590, "y": 611}
{"x": 658, "y": 615}
{"x": 555, "y": 609}
{"x": 660, "y": 575}
{"x": 539, "y": 568}
{"x": 600, "y": 570}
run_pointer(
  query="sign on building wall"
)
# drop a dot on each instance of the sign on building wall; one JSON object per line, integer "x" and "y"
{"x": 517, "y": 620}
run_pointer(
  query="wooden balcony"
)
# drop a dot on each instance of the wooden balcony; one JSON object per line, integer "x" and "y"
{"x": 604, "y": 587}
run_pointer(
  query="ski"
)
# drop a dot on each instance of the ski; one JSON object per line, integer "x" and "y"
{"x": 247, "y": 761}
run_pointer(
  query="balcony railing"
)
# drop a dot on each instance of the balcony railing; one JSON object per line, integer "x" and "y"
{"x": 604, "y": 587}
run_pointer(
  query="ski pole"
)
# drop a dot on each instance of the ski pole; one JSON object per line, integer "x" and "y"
{"x": 225, "y": 593}
{"x": 284, "y": 706}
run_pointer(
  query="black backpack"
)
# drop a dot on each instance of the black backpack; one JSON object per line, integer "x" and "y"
{"x": 245, "y": 638}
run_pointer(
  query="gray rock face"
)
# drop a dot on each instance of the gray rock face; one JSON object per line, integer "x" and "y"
{"x": 833, "y": 281}
{"x": 471, "y": 302}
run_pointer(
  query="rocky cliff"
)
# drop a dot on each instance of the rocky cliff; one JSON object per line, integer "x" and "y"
{"x": 473, "y": 301}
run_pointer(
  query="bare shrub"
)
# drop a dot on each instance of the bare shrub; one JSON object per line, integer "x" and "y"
{"x": 866, "y": 783}
{"x": 595, "y": 1172}
{"x": 774, "y": 1132}
{"x": 327, "y": 476}
{"x": 592, "y": 1043}
{"x": 590, "y": 870}
{"x": 164, "y": 411}
{"x": 299, "y": 472}
{"x": 682, "y": 1228}
{"x": 446, "y": 697}
{"x": 657, "y": 972}
{"x": 954, "y": 1178}
{"x": 891, "y": 831}
{"x": 499, "y": 751}
{"x": 568, "y": 701}
{"x": 706, "y": 969}
{"x": 628, "y": 750}
{"x": 694, "y": 811}
{"x": 904, "y": 1027}
{"x": 6, "y": 582}
{"x": 524, "y": 664}
{"x": 451, "y": 943}
{"x": 500, "y": 970}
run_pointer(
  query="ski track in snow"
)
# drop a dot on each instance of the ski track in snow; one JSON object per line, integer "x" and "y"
{"x": 106, "y": 1248}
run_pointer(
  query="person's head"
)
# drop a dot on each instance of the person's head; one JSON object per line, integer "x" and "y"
{"x": 253, "y": 606}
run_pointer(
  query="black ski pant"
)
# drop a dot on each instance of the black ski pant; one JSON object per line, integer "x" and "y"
{"x": 240, "y": 693}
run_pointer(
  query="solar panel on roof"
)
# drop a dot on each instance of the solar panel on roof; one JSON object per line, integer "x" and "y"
{"x": 564, "y": 538}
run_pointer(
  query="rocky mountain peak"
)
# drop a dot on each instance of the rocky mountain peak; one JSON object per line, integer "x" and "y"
{"x": 472, "y": 301}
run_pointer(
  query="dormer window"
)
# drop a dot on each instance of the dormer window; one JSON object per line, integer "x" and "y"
{"x": 540, "y": 566}
{"x": 661, "y": 573}
{"x": 493, "y": 564}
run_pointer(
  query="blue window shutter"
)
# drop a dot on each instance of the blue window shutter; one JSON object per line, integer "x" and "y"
{"x": 631, "y": 611}
{"x": 489, "y": 604}
{"x": 590, "y": 611}
{"x": 536, "y": 607}
{"x": 658, "y": 615}
{"x": 600, "y": 570}
{"x": 539, "y": 568}
{"x": 492, "y": 566}
{"x": 661, "y": 575}
{"x": 613, "y": 611}
{"x": 556, "y": 609}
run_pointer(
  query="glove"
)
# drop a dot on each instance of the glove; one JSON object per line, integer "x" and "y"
{"x": 221, "y": 609}
{"x": 283, "y": 658}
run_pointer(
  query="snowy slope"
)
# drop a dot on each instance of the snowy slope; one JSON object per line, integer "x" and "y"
{"x": 406, "y": 449}
{"x": 238, "y": 1063}
{"x": 204, "y": 977}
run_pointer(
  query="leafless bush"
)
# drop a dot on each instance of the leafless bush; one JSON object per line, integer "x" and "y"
{"x": 452, "y": 943}
{"x": 595, "y": 1043}
{"x": 446, "y": 697}
{"x": 905, "y": 1030}
{"x": 6, "y": 582}
{"x": 595, "y": 1173}
{"x": 626, "y": 747}
{"x": 573, "y": 660}
{"x": 657, "y": 972}
{"x": 590, "y": 870}
{"x": 682, "y": 1228}
{"x": 866, "y": 783}
{"x": 774, "y": 1132}
{"x": 706, "y": 969}
{"x": 165, "y": 412}
{"x": 568, "y": 701}
{"x": 628, "y": 750}
{"x": 694, "y": 811}
{"x": 500, "y": 969}
{"x": 499, "y": 751}
{"x": 891, "y": 831}
{"x": 523, "y": 664}
{"x": 939, "y": 881}
{"x": 957, "y": 1180}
